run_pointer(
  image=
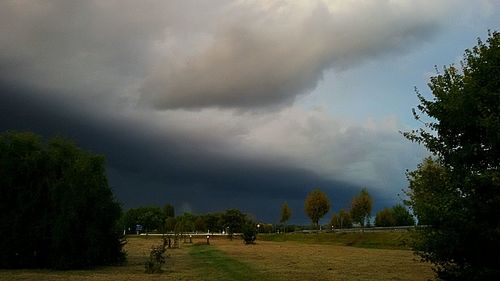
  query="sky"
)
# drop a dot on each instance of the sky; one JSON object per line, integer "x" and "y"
{"x": 210, "y": 105}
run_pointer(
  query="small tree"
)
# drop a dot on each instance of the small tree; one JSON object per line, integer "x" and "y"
{"x": 157, "y": 258}
{"x": 249, "y": 233}
{"x": 286, "y": 213}
{"x": 395, "y": 216}
{"x": 316, "y": 205}
{"x": 385, "y": 217}
{"x": 361, "y": 208}
{"x": 341, "y": 220}
{"x": 402, "y": 216}
{"x": 168, "y": 211}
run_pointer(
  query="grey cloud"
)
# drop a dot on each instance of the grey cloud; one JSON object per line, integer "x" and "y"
{"x": 261, "y": 58}
{"x": 145, "y": 169}
{"x": 196, "y": 54}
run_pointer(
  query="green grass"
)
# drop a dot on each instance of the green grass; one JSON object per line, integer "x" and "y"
{"x": 213, "y": 264}
{"x": 378, "y": 240}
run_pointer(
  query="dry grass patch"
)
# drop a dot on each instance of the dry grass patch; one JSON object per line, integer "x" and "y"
{"x": 178, "y": 267}
{"x": 293, "y": 261}
{"x": 232, "y": 260}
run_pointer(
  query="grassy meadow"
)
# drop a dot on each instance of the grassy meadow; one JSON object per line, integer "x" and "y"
{"x": 349, "y": 256}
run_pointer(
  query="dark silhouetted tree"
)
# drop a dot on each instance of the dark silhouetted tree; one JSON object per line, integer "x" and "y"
{"x": 56, "y": 208}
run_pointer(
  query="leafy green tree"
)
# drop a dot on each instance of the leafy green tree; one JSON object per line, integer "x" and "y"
{"x": 402, "y": 216}
{"x": 168, "y": 211}
{"x": 361, "y": 208}
{"x": 200, "y": 224}
{"x": 185, "y": 223}
{"x": 149, "y": 217}
{"x": 316, "y": 205}
{"x": 170, "y": 224}
{"x": 341, "y": 220}
{"x": 214, "y": 222}
{"x": 56, "y": 208}
{"x": 395, "y": 216}
{"x": 286, "y": 213}
{"x": 233, "y": 221}
{"x": 385, "y": 217}
{"x": 457, "y": 194}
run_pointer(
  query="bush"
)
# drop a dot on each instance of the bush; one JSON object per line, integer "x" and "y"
{"x": 156, "y": 259}
{"x": 249, "y": 233}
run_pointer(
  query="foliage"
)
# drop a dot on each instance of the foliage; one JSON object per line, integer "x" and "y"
{"x": 395, "y": 216}
{"x": 233, "y": 220}
{"x": 213, "y": 222}
{"x": 458, "y": 192}
{"x": 56, "y": 208}
{"x": 316, "y": 205}
{"x": 249, "y": 233}
{"x": 341, "y": 220}
{"x": 185, "y": 223}
{"x": 385, "y": 217}
{"x": 149, "y": 217}
{"x": 361, "y": 208}
{"x": 200, "y": 224}
{"x": 156, "y": 259}
{"x": 402, "y": 216}
{"x": 286, "y": 213}
{"x": 168, "y": 211}
{"x": 170, "y": 224}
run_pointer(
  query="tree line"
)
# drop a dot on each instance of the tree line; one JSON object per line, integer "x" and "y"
{"x": 163, "y": 220}
{"x": 317, "y": 204}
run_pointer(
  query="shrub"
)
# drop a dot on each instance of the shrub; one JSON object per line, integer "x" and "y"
{"x": 156, "y": 259}
{"x": 249, "y": 233}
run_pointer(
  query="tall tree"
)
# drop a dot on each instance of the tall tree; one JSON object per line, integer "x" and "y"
{"x": 56, "y": 208}
{"x": 361, "y": 208}
{"x": 457, "y": 194}
{"x": 316, "y": 205}
{"x": 286, "y": 213}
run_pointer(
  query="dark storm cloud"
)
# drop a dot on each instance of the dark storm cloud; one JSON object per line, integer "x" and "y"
{"x": 80, "y": 68}
{"x": 156, "y": 171}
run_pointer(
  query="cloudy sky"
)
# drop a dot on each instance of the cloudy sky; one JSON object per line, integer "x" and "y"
{"x": 234, "y": 103}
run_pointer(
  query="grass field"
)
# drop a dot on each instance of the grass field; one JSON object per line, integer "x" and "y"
{"x": 299, "y": 259}
{"x": 379, "y": 240}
